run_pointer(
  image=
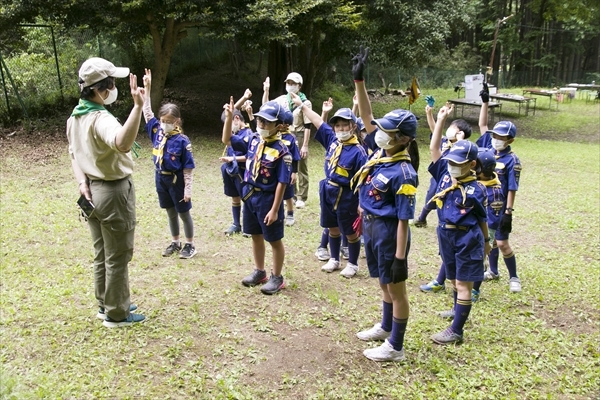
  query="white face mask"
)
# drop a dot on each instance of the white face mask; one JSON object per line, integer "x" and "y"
{"x": 498, "y": 144}
{"x": 384, "y": 141}
{"x": 343, "y": 135}
{"x": 235, "y": 128}
{"x": 264, "y": 133}
{"x": 292, "y": 88}
{"x": 456, "y": 171}
{"x": 112, "y": 96}
{"x": 451, "y": 134}
{"x": 167, "y": 127}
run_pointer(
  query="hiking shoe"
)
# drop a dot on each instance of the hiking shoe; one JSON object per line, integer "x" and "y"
{"x": 289, "y": 220}
{"x": 102, "y": 314}
{"x": 349, "y": 271}
{"x": 515, "y": 285}
{"x": 474, "y": 295}
{"x": 345, "y": 253}
{"x": 130, "y": 320}
{"x": 448, "y": 314}
{"x": 188, "y": 251}
{"x": 432, "y": 286}
{"x": 322, "y": 254}
{"x": 375, "y": 333}
{"x": 420, "y": 224}
{"x": 172, "y": 249}
{"x": 300, "y": 204}
{"x": 332, "y": 265}
{"x": 255, "y": 278}
{"x": 274, "y": 285}
{"x": 490, "y": 276}
{"x": 385, "y": 352}
{"x": 233, "y": 229}
{"x": 447, "y": 337}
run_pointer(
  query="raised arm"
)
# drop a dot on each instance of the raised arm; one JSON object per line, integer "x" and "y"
{"x": 226, "y": 136}
{"x": 436, "y": 137}
{"x": 483, "y": 114}
{"x": 430, "y": 119}
{"x": 359, "y": 62}
{"x": 247, "y": 94}
{"x": 327, "y": 107}
{"x": 314, "y": 118}
{"x": 126, "y": 136}
{"x": 147, "y": 108}
{"x": 266, "y": 86}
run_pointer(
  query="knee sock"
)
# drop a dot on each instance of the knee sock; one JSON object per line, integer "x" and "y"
{"x": 398, "y": 329}
{"x": 441, "y": 278}
{"x": 477, "y": 285}
{"x": 173, "y": 221}
{"x": 345, "y": 241}
{"x": 386, "y": 318}
{"x": 188, "y": 224}
{"x": 494, "y": 260}
{"x": 236, "y": 211}
{"x": 324, "y": 238}
{"x": 334, "y": 246}
{"x": 455, "y": 297}
{"x": 353, "y": 250}
{"x": 461, "y": 314}
{"x": 511, "y": 264}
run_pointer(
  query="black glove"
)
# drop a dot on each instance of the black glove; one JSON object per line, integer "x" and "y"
{"x": 399, "y": 271}
{"x": 505, "y": 225}
{"x": 485, "y": 94}
{"x": 359, "y": 62}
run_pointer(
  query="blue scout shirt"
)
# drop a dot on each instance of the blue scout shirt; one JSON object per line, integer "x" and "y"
{"x": 496, "y": 201}
{"x": 508, "y": 168}
{"x": 351, "y": 158}
{"x": 455, "y": 210}
{"x": 275, "y": 161}
{"x": 389, "y": 190}
{"x": 243, "y": 134}
{"x": 292, "y": 144}
{"x": 485, "y": 140}
{"x": 177, "y": 153}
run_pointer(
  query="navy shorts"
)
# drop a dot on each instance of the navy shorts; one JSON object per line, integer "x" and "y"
{"x": 289, "y": 192}
{"x": 339, "y": 207}
{"x": 380, "y": 246}
{"x": 462, "y": 253}
{"x": 501, "y": 236}
{"x": 170, "y": 194}
{"x": 256, "y": 208}
{"x": 232, "y": 185}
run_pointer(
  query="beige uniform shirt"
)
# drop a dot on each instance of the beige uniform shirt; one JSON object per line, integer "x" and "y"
{"x": 299, "y": 118}
{"x": 92, "y": 145}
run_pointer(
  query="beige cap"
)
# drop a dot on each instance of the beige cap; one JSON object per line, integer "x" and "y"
{"x": 294, "y": 76}
{"x": 95, "y": 69}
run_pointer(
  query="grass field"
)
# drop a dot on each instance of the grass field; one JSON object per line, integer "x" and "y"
{"x": 207, "y": 336}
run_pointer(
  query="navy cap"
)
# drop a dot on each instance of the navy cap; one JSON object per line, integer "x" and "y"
{"x": 272, "y": 111}
{"x": 505, "y": 128}
{"x": 398, "y": 121}
{"x": 343, "y": 113}
{"x": 360, "y": 124}
{"x": 462, "y": 152}
{"x": 487, "y": 159}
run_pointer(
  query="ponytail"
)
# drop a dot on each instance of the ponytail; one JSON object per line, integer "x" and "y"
{"x": 413, "y": 152}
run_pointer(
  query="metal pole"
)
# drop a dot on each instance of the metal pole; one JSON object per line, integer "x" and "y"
{"x": 57, "y": 66}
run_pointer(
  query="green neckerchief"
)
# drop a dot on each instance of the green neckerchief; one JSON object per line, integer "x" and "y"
{"x": 291, "y": 103}
{"x": 86, "y": 106}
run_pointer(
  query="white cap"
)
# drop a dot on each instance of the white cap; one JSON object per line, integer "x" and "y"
{"x": 95, "y": 69}
{"x": 294, "y": 76}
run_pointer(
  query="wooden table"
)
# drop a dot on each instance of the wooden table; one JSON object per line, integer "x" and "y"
{"x": 540, "y": 92}
{"x": 516, "y": 99}
{"x": 472, "y": 103}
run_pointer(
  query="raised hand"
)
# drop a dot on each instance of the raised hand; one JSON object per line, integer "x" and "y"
{"x": 296, "y": 99}
{"x": 266, "y": 84}
{"x": 248, "y": 93}
{"x": 485, "y": 94}
{"x": 328, "y": 105}
{"x": 136, "y": 92}
{"x": 359, "y": 62}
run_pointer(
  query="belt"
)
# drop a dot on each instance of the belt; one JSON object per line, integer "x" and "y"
{"x": 165, "y": 172}
{"x": 250, "y": 192}
{"x": 332, "y": 183}
{"x": 371, "y": 217}
{"x": 105, "y": 181}
{"x": 451, "y": 226}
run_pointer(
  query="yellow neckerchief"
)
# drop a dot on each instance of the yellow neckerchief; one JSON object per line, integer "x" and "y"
{"x": 259, "y": 152}
{"x": 377, "y": 158}
{"x": 492, "y": 182}
{"x": 458, "y": 185}
{"x": 335, "y": 157}
{"x": 161, "y": 146}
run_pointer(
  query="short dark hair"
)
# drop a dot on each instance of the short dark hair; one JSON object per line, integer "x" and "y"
{"x": 88, "y": 92}
{"x": 463, "y": 126}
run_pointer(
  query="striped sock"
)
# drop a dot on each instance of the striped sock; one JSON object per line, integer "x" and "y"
{"x": 396, "y": 339}
{"x": 494, "y": 260}
{"x": 511, "y": 264}
{"x": 461, "y": 314}
{"x": 354, "y": 250}
{"x": 334, "y": 246}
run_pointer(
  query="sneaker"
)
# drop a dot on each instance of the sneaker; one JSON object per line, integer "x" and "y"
{"x": 246, "y": 235}
{"x": 300, "y": 204}
{"x": 490, "y": 276}
{"x": 345, "y": 253}
{"x": 375, "y": 333}
{"x": 515, "y": 285}
{"x": 233, "y": 229}
{"x": 332, "y": 265}
{"x": 433, "y": 287}
{"x": 102, "y": 315}
{"x": 385, "y": 352}
{"x": 322, "y": 254}
{"x": 255, "y": 278}
{"x": 274, "y": 285}
{"x": 474, "y": 295}
{"x": 172, "y": 249}
{"x": 289, "y": 220}
{"x": 448, "y": 314}
{"x": 132, "y": 319}
{"x": 420, "y": 224}
{"x": 188, "y": 251}
{"x": 447, "y": 337}
{"x": 349, "y": 271}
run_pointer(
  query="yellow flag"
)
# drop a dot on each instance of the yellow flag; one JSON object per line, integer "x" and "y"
{"x": 415, "y": 91}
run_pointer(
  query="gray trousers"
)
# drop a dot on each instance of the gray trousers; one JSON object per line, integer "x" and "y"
{"x": 301, "y": 186}
{"x": 112, "y": 225}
